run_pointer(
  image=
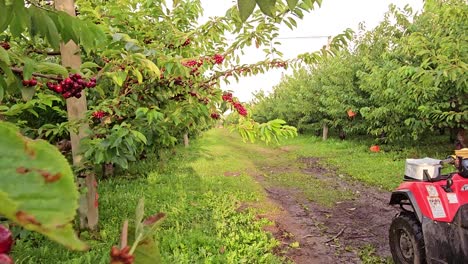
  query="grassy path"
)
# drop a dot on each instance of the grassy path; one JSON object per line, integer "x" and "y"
{"x": 217, "y": 195}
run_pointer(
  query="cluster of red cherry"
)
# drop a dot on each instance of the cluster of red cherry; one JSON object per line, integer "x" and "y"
{"x": 72, "y": 86}
{"x": 227, "y": 97}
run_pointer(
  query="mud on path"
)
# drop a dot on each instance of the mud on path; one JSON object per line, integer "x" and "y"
{"x": 330, "y": 234}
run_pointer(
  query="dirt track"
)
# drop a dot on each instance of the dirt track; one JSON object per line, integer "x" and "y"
{"x": 330, "y": 235}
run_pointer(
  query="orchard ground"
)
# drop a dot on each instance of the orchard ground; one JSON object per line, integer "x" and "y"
{"x": 306, "y": 201}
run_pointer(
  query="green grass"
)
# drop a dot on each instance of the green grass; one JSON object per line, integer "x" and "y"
{"x": 203, "y": 224}
{"x": 203, "y": 187}
{"x": 384, "y": 169}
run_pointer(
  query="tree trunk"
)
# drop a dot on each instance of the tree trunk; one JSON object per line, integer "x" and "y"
{"x": 461, "y": 137}
{"x": 186, "y": 140}
{"x": 325, "y": 132}
{"x": 76, "y": 108}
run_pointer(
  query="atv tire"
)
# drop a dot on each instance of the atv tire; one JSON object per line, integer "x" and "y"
{"x": 406, "y": 240}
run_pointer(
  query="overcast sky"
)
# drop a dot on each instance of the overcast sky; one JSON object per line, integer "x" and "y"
{"x": 331, "y": 19}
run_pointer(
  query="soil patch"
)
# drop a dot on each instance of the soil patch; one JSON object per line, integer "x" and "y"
{"x": 331, "y": 235}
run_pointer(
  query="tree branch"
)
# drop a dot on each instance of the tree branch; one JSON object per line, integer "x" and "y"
{"x": 44, "y": 52}
{"x": 47, "y": 76}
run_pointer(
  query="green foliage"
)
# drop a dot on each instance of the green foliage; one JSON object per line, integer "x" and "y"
{"x": 402, "y": 80}
{"x": 36, "y": 193}
{"x": 151, "y": 81}
{"x": 269, "y": 7}
{"x": 271, "y": 131}
{"x": 122, "y": 145}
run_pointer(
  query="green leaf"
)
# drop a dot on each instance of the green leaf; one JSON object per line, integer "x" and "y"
{"x": 118, "y": 77}
{"x": 140, "y": 136}
{"x": 3, "y": 86}
{"x": 29, "y": 68}
{"x": 151, "y": 67}
{"x": 139, "y": 214}
{"x": 6, "y": 14}
{"x": 37, "y": 191}
{"x": 68, "y": 27}
{"x": 88, "y": 65}
{"x": 20, "y": 19}
{"x": 4, "y": 56}
{"x": 147, "y": 252}
{"x": 294, "y": 245}
{"x": 137, "y": 73}
{"x": 27, "y": 93}
{"x": 49, "y": 67}
{"x": 246, "y": 7}
{"x": 52, "y": 33}
{"x": 292, "y": 3}
{"x": 266, "y": 6}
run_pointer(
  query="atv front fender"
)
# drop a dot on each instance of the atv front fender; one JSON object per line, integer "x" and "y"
{"x": 403, "y": 197}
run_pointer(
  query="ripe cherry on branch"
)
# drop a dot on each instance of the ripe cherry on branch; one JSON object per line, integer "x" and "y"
{"x": 215, "y": 115}
{"x": 227, "y": 97}
{"x": 186, "y": 43}
{"x": 5, "y": 45}
{"x": 30, "y": 83}
{"x": 99, "y": 114}
{"x": 218, "y": 59}
{"x": 72, "y": 86}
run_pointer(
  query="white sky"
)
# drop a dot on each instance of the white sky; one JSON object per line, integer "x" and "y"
{"x": 332, "y": 18}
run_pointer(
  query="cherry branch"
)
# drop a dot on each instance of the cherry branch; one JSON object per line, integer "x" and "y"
{"x": 47, "y": 76}
{"x": 44, "y": 52}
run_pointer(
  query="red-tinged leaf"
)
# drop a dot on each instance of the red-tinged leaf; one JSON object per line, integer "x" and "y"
{"x": 154, "y": 218}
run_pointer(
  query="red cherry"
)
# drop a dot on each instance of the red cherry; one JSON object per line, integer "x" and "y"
{"x": 59, "y": 88}
{"x": 78, "y": 95}
{"x": 33, "y": 82}
{"x": 5, "y": 45}
{"x": 68, "y": 81}
{"x": 26, "y": 82}
{"x": 6, "y": 240}
{"x": 218, "y": 58}
{"x": 5, "y": 259}
{"x": 67, "y": 95}
{"x": 186, "y": 43}
{"x": 215, "y": 115}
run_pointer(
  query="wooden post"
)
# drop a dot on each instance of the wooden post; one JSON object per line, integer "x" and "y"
{"x": 76, "y": 108}
{"x": 325, "y": 126}
{"x": 325, "y": 132}
{"x": 186, "y": 140}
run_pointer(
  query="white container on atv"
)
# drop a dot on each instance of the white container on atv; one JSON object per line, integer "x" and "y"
{"x": 414, "y": 168}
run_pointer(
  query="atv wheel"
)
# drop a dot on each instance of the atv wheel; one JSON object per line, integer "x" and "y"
{"x": 406, "y": 240}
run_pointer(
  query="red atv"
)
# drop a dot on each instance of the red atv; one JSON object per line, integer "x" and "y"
{"x": 432, "y": 226}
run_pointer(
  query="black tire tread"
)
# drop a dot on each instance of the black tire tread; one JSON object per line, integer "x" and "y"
{"x": 414, "y": 225}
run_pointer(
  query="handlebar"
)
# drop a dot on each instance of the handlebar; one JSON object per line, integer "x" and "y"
{"x": 448, "y": 160}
